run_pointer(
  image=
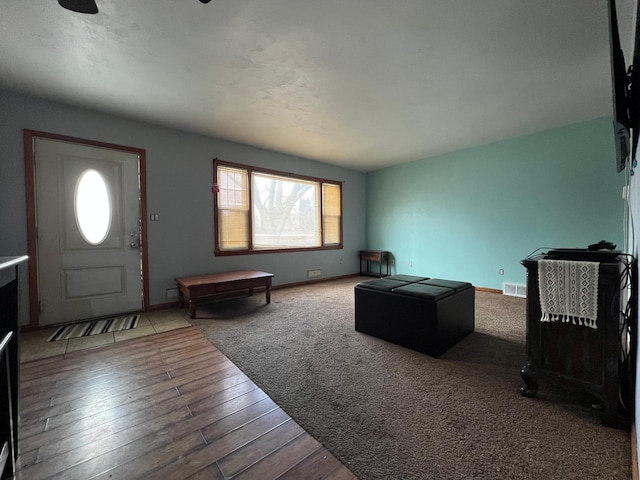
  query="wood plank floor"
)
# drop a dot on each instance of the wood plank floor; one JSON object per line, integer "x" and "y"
{"x": 164, "y": 406}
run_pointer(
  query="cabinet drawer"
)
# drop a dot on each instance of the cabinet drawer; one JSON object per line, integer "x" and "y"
{"x": 374, "y": 256}
{"x": 242, "y": 285}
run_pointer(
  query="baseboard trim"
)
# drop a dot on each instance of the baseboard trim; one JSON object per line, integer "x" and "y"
{"x": 164, "y": 306}
{"x": 317, "y": 280}
{"x": 490, "y": 290}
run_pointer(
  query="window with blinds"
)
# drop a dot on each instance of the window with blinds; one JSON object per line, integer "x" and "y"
{"x": 332, "y": 214}
{"x": 263, "y": 211}
{"x": 233, "y": 208}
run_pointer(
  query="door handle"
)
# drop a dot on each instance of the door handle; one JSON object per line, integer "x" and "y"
{"x": 135, "y": 244}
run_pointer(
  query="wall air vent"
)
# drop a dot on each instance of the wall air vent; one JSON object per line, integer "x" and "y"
{"x": 514, "y": 289}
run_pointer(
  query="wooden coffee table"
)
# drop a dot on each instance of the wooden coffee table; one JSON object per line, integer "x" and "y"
{"x": 198, "y": 286}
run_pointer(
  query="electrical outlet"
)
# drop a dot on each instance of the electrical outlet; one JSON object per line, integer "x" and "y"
{"x": 501, "y": 271}
{"x": 313, "y": 273}
{"x": 410, "y": 263}
{"x": 172, "y": 293}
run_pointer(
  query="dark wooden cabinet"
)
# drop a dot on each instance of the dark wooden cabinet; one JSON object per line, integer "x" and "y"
{"x": 9, "y": 362}
{"x": 600, "y": 361}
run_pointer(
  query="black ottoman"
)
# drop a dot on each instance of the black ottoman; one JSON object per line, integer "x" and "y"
{"x": 457, "y": 286}
{"x": 406, "y": 278}
{"x": 428, "y": 318}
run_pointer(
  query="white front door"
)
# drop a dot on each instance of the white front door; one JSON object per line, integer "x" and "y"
{"x": 88, "y": 231}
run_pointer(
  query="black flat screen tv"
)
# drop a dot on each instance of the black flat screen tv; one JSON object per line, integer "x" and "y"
{"x": 633, "y": 85}
{"x": 622, "y": 120}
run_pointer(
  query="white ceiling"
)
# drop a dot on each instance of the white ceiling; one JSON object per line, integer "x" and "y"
{"x": 359, "y": 83}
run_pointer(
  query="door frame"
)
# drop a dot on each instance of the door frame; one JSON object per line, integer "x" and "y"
{"x": 30, "y": 194}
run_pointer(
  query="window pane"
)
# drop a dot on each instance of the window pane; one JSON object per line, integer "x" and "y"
{"x": 233, "y": 208}
{"x": 331, "y": 230}
{"x": 234, "y": 224}
{"x": 234, "y": 192}
{"x": 92, "y": 207}
{"x": 259, "y": 210}
{"x": 286, "y": 212}
{"x": 331, "y": 208}
{"x": 331, "y": 199}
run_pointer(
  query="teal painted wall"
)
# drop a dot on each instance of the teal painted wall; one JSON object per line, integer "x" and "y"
{"x": 467, "y": 214}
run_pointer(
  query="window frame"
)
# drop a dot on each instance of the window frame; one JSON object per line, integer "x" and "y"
{"x": 250, "y": 250}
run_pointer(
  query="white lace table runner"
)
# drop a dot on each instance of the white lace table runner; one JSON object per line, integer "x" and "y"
{"x": 568, "y": 291}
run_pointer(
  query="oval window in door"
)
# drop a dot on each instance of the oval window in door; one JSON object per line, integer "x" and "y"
{"x": 92, "y": 205}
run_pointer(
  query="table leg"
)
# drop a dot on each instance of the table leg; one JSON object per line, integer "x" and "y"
{"x": 529, "y": 375}
{"x": 268, "y": 291}
{"x": 192, "y": 307}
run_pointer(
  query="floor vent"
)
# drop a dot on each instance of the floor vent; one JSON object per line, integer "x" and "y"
{"x": 514, "y": 289}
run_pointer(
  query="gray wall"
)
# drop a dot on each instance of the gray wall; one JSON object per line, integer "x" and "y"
{"x": 179, "y": 180}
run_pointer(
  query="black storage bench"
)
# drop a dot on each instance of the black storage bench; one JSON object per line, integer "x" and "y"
{"x": 423, "y": 314}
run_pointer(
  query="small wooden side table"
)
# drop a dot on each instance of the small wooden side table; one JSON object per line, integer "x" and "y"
{"x": 380, "y": 256}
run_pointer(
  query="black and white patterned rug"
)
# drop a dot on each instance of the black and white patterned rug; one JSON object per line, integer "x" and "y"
{"x": 95, "y": 327}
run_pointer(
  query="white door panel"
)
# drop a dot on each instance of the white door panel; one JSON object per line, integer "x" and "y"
{"x": 79, "y": 279}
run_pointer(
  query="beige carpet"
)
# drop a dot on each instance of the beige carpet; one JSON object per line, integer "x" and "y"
{"x": 390, "y": 413}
